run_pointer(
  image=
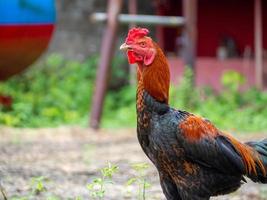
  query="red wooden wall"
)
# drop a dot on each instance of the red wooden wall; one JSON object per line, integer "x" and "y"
{"x": 216, "y": 19}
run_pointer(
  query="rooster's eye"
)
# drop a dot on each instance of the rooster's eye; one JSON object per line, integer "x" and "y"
{"x": 142, "y": 44}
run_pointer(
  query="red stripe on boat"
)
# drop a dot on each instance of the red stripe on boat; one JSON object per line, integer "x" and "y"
{"x": 20, "y": 46}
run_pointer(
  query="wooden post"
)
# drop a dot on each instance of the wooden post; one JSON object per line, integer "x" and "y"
{"x": 159, "y": 29}
{"x": 190, "y": 32}
{"x": 132, "y": 7}
{"x": 258, "y": 43}
{"x": 107, "y": 50}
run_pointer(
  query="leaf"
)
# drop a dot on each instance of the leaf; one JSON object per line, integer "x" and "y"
{"x": 140, "y": 166}
{"x": 147, "y": 185}
{"x": 131, "y": 181}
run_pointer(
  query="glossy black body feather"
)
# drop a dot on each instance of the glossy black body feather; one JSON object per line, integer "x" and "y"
{"x": 188, "y": 170}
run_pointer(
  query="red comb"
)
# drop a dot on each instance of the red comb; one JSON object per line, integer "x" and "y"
{"x": 136, "y": 33}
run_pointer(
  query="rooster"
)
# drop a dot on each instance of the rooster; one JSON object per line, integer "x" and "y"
{"x": 194, "y": 159}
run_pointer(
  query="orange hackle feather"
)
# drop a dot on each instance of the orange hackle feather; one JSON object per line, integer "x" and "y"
{"x": 156, "y": 77}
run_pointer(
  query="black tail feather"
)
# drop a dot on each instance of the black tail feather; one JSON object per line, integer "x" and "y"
{"x": 261, "y": 148}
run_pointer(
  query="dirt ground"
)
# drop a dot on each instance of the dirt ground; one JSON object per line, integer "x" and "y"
{"x": 71, "y": 157}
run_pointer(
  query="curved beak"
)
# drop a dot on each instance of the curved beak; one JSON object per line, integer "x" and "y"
{"x": 125, "y": 47}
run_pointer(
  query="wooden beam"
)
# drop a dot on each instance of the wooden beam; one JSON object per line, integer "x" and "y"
{"x": 190, "y": 32}
{"x": 132, "y": 7}
{"x": 258, "y": 43}
{"x": 171, "y": 21}
{"x": 107, "y": 50}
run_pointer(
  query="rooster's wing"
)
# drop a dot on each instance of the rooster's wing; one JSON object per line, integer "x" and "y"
{"x": 206, "y": 145}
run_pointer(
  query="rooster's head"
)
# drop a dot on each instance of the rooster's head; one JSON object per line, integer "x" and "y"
{"x": 153, "y": 68}
{"x": 140, "y": 48}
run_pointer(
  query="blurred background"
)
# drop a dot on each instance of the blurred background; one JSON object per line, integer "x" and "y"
{"x": 52, "y": 56}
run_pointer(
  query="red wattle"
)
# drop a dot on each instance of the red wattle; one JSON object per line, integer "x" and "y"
{"x": 131, "y": 57}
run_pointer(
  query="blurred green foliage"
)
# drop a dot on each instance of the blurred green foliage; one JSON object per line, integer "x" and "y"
{"x": 58, "y": 91}
{"x": 55, "y": 91}
{"x": 231, "y": 109}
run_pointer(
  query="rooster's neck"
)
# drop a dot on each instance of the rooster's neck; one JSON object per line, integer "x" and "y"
{"x": 154, "y": 79}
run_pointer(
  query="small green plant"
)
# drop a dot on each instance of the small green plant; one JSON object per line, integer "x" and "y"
{"x": 19, "y": 198}
{"x": 53, "y": 197}
{"x": 78, "y": 198}
{"x": 139, "y": 179}
{"x": 97, "y": 187}
{"x": 37, "y": 185}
